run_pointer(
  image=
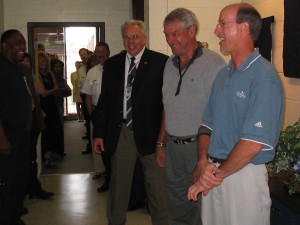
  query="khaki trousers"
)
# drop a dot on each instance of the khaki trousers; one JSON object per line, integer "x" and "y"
{"x": 123, "y": 163}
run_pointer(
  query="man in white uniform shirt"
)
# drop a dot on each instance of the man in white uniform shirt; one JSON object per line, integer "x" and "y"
{"x": 92, "y": 89}
{"x": 82, "y": 72}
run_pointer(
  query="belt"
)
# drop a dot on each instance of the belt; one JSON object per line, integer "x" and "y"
{"x": 124, "y": 121}
{"x": 216, "y": 160}
{"x": 183, "y": 141}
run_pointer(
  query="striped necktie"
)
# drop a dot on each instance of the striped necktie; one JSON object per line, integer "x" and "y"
{"x": 130, "y": 79}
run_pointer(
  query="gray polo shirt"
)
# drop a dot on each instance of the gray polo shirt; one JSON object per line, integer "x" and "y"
{"x": 184, "y": 111}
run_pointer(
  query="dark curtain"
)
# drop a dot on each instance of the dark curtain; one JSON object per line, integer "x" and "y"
{"x": 264, "y": 42}
{"x": 291, "y": 39}
{"x": 138, "y": 9}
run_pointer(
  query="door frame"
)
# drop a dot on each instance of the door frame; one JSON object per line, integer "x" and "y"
{"x": 100, "y": 30}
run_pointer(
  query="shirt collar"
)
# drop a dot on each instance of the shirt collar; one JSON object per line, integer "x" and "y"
{"x": 247, "y": 63}
{"x": 137, "y": 57}
{"x": 198, "y": 52}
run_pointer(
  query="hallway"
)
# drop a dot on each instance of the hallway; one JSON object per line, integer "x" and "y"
{"x": 76, "y": 200}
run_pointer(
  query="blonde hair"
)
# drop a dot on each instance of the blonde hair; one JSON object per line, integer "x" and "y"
{"x": 46, "y": 56}
{"x": 39, "y": 85}
{"x": 78, "y": 64}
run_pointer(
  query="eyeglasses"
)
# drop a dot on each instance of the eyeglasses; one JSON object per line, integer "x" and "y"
{"x": 222, "y": 24}
{"x": 132, "y": 37}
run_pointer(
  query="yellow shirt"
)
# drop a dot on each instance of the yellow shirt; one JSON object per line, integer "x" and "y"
{"x": 76, "y": 91}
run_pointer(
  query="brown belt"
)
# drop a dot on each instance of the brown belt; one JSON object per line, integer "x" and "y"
{"x": 216, "y": 160}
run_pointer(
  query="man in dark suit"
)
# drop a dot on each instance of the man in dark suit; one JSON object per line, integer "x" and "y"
{"x": 127, "y": 121}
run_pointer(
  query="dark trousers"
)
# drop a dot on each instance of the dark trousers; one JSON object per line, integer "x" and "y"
{"x": 107, "y": 164}
{"x": 87, "y": 121}
{"x": 14, "y": 179}
{"x": 34, "y": 184}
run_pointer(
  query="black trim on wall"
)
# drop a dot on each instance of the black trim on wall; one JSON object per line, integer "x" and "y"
{"x": 291, "y": 39}
{"x": 138, "y": 9}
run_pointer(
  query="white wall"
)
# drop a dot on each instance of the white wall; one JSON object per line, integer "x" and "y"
{"x": 113, "y": 12}
{"x": 291, "y": 85}
{"x": 1, "y": 17}
{"x": 207, "y": 13}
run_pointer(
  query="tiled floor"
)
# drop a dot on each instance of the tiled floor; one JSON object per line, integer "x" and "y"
{"x": 76, "y": 202}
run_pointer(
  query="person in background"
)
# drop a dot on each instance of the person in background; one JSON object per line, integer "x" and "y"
{"x": 35, "y": 189}
{"x": 41, "y": 48}
{"x": 240, "y": 127}
{"x": 188, "y": 78}
{"x": 92, "y": 89}
{"x": 76, "y": 92}
{"x": 15, "y": 125}
{"x": 82, "y": 71}
{"x": 128, "y": 131}
{"x": 52, "y": 138}
{"x": 57, "y": 68}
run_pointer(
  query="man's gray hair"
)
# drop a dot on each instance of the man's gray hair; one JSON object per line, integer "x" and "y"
{"x": 140, "y": 23}
{"x": 186, "y": 17}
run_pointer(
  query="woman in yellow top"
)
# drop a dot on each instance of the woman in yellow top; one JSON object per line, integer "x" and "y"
{"x": 76, "y": 92}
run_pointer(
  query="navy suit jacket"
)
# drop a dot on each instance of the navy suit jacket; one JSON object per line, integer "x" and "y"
{"x": 146, "y": 97}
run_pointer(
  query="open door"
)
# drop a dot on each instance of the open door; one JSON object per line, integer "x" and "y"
{"x": 64, "y": 39}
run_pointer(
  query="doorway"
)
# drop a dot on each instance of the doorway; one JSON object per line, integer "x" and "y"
{"x": 63, "y": 40}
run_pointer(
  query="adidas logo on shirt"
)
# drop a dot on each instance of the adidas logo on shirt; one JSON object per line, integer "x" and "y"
{"x": 258, "y": 124}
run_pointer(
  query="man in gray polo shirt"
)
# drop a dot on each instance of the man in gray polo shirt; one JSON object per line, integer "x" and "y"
{"x": 188, "y": 77}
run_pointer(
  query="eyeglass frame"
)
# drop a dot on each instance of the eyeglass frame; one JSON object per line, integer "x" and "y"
{"x": 222, "y": 24}
{"x": 132, "y": 37}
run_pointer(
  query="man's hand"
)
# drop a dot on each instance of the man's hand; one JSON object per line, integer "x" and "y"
{"x": 98, "y": 145}
{"x": 160, "y": 156}
{"x": 208, "y": 175}
{"x": 205, "y": 178}
{"x": 195, "y": 189}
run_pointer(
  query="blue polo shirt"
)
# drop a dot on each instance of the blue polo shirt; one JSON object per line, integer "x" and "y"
{"x": 246, "y": 103}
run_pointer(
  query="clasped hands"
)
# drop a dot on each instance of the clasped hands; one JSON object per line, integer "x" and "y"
{"x": 205, "y": 177}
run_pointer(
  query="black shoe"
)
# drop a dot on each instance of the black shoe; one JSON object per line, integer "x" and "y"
{"x": 85, "y": 137}
{"x": 132, "y": 206}
{"x": 102, "y": 188}
{"x": 41, "y": 195}
{"x": 98, "y": 175}
{"x": 18, "y": 222}
{"x": 59, "y": 156}
{"x": 84, "y": 152}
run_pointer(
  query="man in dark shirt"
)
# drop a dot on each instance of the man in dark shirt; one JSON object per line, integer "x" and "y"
{"x": 15, "y": 124}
